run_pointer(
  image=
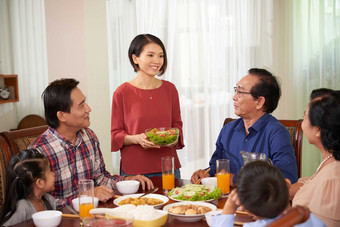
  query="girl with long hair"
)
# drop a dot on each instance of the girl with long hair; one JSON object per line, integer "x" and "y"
{"x": 29, "y": 178}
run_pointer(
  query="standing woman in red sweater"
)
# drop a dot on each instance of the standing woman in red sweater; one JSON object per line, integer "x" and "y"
{"x": 142, "y": 103}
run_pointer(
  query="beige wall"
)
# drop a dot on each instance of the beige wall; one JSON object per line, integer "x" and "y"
{"x": 77, "y": 47}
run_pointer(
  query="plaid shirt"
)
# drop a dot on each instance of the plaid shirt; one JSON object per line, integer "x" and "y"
{"x": 71, "y": 163}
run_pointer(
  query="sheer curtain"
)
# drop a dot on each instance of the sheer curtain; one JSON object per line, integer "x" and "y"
{"x": 210, "y": 45}
{"x": 23, "y": 52}
{"x": 314, "y": 57}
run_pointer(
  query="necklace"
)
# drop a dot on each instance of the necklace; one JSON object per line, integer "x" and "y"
{"x": 323, "y": 162}
{"x": 317, "y": 170}
{"x": 153, "y": 89}
{"x": 150, "y": 91}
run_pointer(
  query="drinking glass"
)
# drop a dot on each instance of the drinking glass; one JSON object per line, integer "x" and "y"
{"x": 223, "y": 175}
{"x": 86, "y": 194}
{"x": 168, "y": 173}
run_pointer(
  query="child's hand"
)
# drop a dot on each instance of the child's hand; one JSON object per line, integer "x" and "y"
{"x": 232, "y": 203}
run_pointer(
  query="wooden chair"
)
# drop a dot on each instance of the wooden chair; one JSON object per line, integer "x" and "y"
{"x": 11, "y": 142}
{"x": 293, "y": 216}
{"x": 295, "y": 132}
{"x": 30, "y": 121}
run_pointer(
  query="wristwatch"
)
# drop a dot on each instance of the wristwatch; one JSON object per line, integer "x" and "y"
{"x": 4, "y": 94}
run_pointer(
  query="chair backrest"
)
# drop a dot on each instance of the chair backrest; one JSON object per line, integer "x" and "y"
{"x": 11, "y": 143}
{"x": 294, "y": 216}
{"x": 295, "y": 132}
{"x": 30, "y": 121}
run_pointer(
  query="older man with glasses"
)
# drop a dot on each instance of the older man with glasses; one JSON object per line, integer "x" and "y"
{"x": 256, "y": 96}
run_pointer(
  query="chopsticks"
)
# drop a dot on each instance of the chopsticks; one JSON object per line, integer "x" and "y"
{"x": 236, "y": 212}
{"x": 199, "y": 180}
{"x": 70, "y": 216}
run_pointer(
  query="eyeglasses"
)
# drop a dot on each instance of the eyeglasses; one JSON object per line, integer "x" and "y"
{"x": 238, "y": 93}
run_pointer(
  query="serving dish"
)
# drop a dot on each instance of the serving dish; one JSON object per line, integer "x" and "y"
{"x": 144, "y": 216}
{"x": 155, "y": 196}
{"x": 189, "y": 218}
{"x": 195, "y": 192}
{"x": 163, "y": 136}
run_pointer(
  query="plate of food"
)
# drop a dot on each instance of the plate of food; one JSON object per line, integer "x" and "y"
{"x": 154, "y": 200}
{"x": 195, "y": 192}
{"x": 189, "y": 211}
{"x": 163, "y": 136}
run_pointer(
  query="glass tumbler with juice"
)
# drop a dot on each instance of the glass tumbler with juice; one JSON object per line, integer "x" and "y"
{"x": 168, "y": 174}
{"x": 223, "y": 175}
{"x": 86, "y": 194}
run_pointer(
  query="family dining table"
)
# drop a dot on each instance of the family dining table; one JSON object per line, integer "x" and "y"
{"x": 240, "y": 218}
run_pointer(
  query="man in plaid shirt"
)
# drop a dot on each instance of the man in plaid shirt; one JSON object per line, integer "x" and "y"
{"x": 72, "y": 148}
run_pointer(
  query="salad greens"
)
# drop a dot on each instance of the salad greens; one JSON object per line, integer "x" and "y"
{"x": 165, "y": 137}
{"x": 195, "y": 192}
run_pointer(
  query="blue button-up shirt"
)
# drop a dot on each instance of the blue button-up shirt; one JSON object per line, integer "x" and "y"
{"x": 267, "y": 136}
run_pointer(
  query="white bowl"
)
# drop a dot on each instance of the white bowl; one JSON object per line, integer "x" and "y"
{"x": 75, "y": 202}
{"x": 127, "y": 187}
{"x": 209, "y": 181}
{"x": 210, "y": 214}
{"x": 47, "y": 218}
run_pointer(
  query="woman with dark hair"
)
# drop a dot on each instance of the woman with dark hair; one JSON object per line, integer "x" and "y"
{"x": 321, "y": 125}
{"x": 29, "y": 179}
{"x": 142, "y": 103}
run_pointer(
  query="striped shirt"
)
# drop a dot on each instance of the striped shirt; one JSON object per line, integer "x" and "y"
{"x": 71, "y": 163}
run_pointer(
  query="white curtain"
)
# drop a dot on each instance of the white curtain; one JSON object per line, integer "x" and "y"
{"x": 314, "y": 44}
{"x": 210, "y": 45}
{"x": 23, "y": 52}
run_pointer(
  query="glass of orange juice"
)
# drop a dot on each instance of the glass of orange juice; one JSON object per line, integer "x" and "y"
{"x": 223, "y": 174}
{"x": 168, "y": 173}
{"x": 86, "y": 194}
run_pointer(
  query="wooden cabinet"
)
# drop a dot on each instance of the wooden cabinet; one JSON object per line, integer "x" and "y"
{"x": 10, "y": 82}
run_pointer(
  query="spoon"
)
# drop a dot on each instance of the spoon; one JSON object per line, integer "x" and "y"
{"x": 148, "y": 192}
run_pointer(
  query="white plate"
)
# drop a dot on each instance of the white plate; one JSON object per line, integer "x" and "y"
{"x": 209, "y": 200}
{"x": 155, "y": 196}
{"x": 189, "y": 218}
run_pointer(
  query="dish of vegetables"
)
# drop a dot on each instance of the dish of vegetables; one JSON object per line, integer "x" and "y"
{"x": 195, "y": 192}
{"x": 163, "y": 136}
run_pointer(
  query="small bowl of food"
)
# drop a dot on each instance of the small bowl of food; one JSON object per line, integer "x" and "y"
{"x": 208, "y": 216}
{"x": 127, "y": 187}
{"x": 163, "y": 136}
{"x": 47, "y": 218}
{"x": 75, "y": 202}
{"x": 209, "y": 181}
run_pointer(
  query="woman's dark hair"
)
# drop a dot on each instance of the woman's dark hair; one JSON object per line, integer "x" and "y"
{"x": 262, "y": 189}
{"x": 324, "y": 112}
{"x": 136, "y": 48}
{"x": 22, "y": 172}
{"x": 316, "y": 93}
{"x": 268, "y": 87}
{"x": 57, "y": 97}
